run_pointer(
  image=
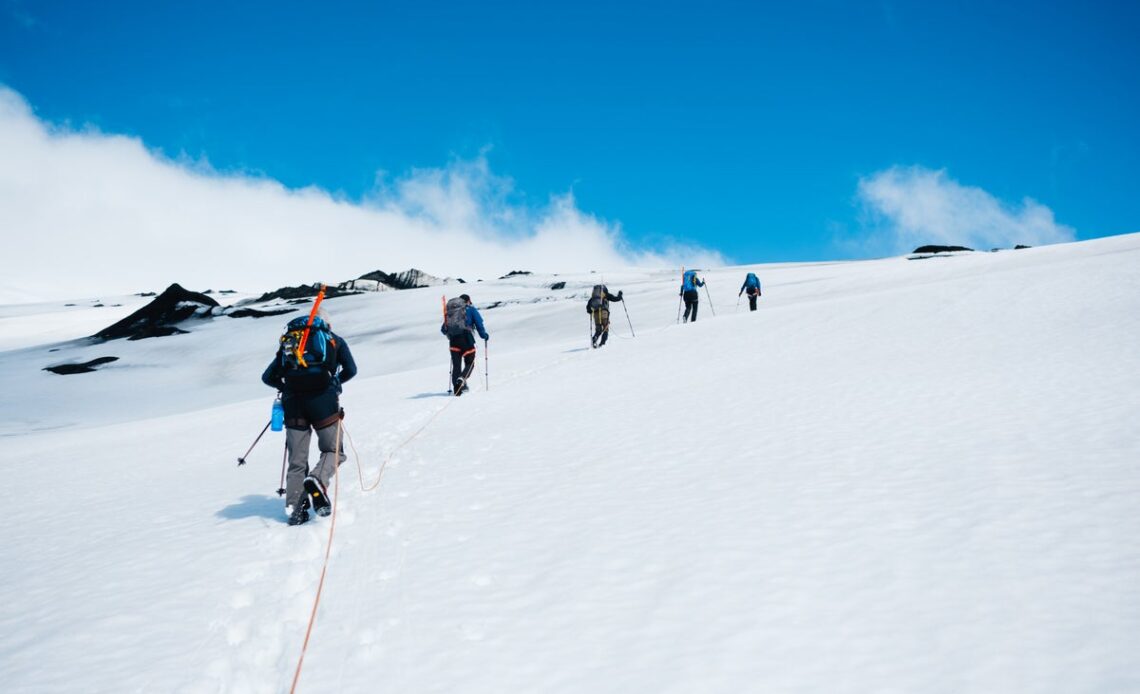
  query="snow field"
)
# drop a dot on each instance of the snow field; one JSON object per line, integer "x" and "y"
{"x": 896, "y": 475}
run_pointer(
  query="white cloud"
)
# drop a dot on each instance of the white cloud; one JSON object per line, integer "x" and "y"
{"x": 86, "y": 213}
{"x": 912, "y": 206}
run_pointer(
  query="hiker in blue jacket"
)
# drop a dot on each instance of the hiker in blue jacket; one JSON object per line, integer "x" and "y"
{"x": 460, "y": 319}
{"x": 752, "y": 286}
{"x": 310, "y": 398}
{"x": 689, "y": 285}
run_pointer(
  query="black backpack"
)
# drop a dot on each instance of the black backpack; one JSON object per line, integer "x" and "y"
{"x": 597, "y": 299}
{"x": 313, "y": 370}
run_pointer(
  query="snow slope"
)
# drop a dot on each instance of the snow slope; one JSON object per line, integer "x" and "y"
{"x": 895, "y": 476}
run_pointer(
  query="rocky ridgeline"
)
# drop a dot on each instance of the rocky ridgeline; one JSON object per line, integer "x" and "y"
{"x": 177, "y": 306}
{"x": 375, "y": 281}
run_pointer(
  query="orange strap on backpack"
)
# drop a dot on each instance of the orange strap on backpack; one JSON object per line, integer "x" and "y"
{"x": 305, "y": 338}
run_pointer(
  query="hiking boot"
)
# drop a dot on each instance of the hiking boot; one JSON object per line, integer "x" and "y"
{"x": 299, "y": 516}
{"x": 320, "y": 496}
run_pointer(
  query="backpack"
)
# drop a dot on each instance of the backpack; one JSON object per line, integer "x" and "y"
{"x": 690, "y": 281}
{"x": 751, "y": 280}
{"x": 314, "y": 369}
{"x": 455, "y": 317}
{"x": 597, "y": 299}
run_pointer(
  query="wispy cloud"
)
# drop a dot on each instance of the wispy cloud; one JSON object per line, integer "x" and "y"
{"x": 85, "y": 212}
{"x": 15, "y": 10}
{"x": 912, "y": 206}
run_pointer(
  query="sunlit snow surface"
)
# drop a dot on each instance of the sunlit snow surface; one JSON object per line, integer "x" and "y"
{"x": 897, "y": 475}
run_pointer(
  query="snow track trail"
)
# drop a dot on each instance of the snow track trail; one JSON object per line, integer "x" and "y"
{"x": 895, "y": 475}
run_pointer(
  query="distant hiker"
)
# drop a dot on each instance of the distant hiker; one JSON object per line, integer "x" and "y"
{"x": 310, "y": 383}
{"x": 689, "y": 292}
{"x": 752, "y": 286}
{"x": 460, "y": 318}
{"x": 599, "y": 309}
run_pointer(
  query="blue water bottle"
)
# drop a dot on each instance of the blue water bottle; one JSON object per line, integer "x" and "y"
{"x": 278, "y": 417}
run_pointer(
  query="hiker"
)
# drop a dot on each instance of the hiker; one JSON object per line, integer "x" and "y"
{"x": 310, "y": 384}
{"x": 599, "y": 308}
{"x": 752, "y": 286}
{"x": 689, "y": 292}
{"x": 460, "y": 318}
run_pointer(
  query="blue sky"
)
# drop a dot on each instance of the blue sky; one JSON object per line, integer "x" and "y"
{"x": 749, "y": 128}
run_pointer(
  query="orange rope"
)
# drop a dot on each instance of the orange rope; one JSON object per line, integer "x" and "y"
{"x": 332, "y": 524}
{"x": 325, "y": 568}
{"x": 391, "y": 454}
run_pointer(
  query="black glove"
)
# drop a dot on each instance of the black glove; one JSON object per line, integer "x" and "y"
{"x": 620, "y": 295}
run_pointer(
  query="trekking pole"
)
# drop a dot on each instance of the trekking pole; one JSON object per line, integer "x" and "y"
{"x": 709, "y": 296}
{"x": 284, "y": 455}
{"x": 737, "y": 303}
{"x": 627, "y": 320}
{"x": 680, "y": 300}
{"x": 486, "y": 369}
{"x": 241, "y": 460}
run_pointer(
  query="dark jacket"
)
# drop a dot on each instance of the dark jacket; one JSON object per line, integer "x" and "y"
{"x": 606, "y": 299}
{"x": 320, "y": 408}
{"x": 274, "y": 375}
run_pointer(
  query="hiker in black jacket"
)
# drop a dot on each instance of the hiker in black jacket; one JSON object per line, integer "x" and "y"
{"x": 599, "y": 309}
{"x": 309, "y": 396}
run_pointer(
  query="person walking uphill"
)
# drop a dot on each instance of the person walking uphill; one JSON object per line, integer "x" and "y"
{"x": 752, "y": 286}
{"x": 599, "y": 308}
{"x": 460, "y": 318}
{"x": 689, "y": 285}
{"x": 311, "y": 365}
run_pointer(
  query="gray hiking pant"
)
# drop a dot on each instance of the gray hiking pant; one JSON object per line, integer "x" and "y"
{"x": 297, "y": 445}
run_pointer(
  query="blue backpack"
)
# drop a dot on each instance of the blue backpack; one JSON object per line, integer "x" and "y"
{"x": 314, "y": 369}
{"x": 752, "y": 280}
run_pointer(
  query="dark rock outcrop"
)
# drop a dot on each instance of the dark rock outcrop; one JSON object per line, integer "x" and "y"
{"x": 941, "y": 249}
{"x": 254, "y": 313}
{"x": 161, "y": 316}
{"x": 408, "y": 279}
{"x": 516, "y": 273}
{"x": 558, "y": 285}
{"x": 85, "y": 367}
{"x": 304, "y": 291}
